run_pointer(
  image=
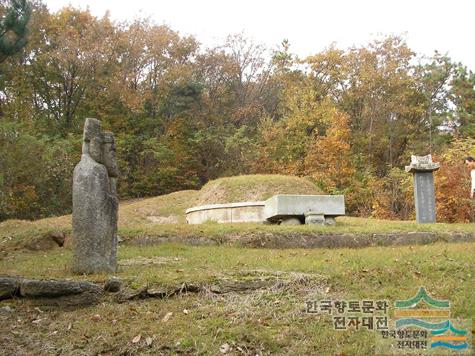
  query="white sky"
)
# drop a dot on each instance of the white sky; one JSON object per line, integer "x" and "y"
{"x": 310, "y": 26}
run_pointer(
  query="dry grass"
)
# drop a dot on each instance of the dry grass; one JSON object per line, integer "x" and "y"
{"x": 165, "y": 206}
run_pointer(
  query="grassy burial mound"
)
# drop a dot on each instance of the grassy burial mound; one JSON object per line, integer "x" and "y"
{"x": 253, "y": 188}
{"x": 170, "y": 208}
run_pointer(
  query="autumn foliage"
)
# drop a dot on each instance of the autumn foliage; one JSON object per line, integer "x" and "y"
{"x": 453, "y": 184}
{"x": 183, "y": 114}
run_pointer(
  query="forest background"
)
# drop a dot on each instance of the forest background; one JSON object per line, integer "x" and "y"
{"x": 183, "y": 114}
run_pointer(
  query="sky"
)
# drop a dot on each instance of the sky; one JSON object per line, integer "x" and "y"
{"x": 310, "y": 26}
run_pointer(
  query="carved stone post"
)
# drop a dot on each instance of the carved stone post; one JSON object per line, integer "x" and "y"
{"x": 95, "y": 203}
{"x": 422, "y": 169}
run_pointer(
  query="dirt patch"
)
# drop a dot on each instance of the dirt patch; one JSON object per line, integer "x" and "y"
{"x": 47, "y": 241}
{"x": 172, "y": 219}
{"x": 143, "y": 261}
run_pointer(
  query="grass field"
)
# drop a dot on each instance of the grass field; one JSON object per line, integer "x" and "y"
{"x": 264, "y": 321}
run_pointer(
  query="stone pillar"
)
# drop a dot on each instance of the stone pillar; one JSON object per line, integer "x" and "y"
{"x": 422, "y": 169}
{"x": 95, "y": 203}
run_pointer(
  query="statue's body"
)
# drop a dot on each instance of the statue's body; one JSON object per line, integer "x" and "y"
{"x": 95, "y": 203}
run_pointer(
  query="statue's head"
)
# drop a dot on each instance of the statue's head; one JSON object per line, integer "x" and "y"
{"x": 93, "y": 139}
{"x": 100, "y": 146}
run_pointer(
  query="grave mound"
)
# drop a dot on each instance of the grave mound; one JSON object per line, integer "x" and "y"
{"x": 258, "y": 187}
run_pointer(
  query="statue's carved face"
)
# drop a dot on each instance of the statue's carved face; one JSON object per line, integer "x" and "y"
{"x": 100, "y": 146}
{"x": 108, "y": 155}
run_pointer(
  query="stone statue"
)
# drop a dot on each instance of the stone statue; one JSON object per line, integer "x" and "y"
{"x": 95, "y": 202}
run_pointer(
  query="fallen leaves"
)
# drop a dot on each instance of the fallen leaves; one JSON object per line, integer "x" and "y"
{"x": 167, "y": 317}
{"x": 136, "y": 339}
{"x": 225, "y": 348}
{"x": 96, "y": 317}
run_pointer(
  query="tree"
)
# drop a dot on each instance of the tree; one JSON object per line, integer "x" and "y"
{"x": 433, "y": 82}
{"x": 452, "y": 183}
{"x": 463, "y": 96}
{"x": 65, "y": 68}
{"x": 249, "y": 76}
{"x": 13, "y": 26}
{"x": 311, "y": 138}
{"x": 328, "y": 160}
{"x": 35, "y": 173}
{"x": 184, "y": 114}
{"x": 375, "y": 86}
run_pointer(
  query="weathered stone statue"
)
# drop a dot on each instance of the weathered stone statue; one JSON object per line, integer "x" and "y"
{"x": 95, "y": 202}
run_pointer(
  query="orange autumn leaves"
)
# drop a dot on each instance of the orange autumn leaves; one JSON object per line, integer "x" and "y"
{"x": 312, "y": 139}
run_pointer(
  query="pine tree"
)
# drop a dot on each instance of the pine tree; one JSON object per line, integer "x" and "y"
{"x": 13, "y": 27}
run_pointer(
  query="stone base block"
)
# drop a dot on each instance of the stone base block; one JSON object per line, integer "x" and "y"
{"x": 280, "y": 206}
{"x": 314, "y": 218}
